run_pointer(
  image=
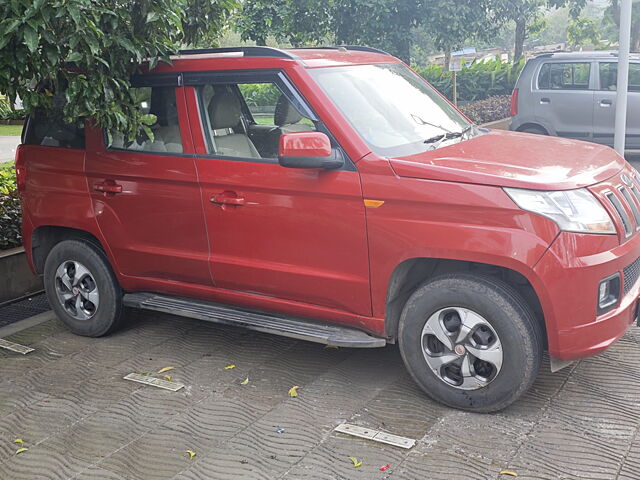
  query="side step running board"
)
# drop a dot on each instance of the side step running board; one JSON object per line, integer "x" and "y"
{"x": 292, "y": 327}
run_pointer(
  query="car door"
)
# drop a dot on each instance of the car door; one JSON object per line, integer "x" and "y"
{"x": 146, "y": 195}
{"x": 604, "y": 105}
{"x": 563, "y": 98}
{"x": 292, "y": 234}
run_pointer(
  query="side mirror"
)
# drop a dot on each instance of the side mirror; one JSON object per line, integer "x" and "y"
{"x": 308, "y": 150}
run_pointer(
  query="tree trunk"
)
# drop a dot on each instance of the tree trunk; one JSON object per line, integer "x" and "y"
{"x": 521, "y": 36}
{"x": 635, "y": 36}
{"x": 447, "y": 58}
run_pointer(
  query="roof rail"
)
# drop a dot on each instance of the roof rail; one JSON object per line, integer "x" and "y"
{"x": 357, "y": 48}
{"x": 246, "y": 51}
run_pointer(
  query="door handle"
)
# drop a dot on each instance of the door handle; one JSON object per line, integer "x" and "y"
{"x": 227, "y": 198}
{"x": 545, "y": 101}
{"x": 606, "y": 103}
{"x": 108, "y": 186}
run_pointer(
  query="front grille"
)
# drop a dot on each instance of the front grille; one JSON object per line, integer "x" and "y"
{"x": 622, "y": 213}
{"x": 630, "y": 274}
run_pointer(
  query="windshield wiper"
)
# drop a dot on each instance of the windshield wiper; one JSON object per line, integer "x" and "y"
{"x": 436, "y": 140}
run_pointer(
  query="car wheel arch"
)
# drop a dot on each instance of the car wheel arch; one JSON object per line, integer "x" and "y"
{"x": 411, "y": 273}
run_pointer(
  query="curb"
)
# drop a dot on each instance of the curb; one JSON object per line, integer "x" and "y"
{"x": 26, "y": 323}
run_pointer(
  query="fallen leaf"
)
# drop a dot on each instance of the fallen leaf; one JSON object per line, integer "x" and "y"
{"x": 331, "y": 347}
{"x": 384, "y": 467}
{"x": 293, "y": 391}
{"x": 145, "y": 374}
{"x": 167, "y": 377}
{"x": 19, "y": 440}
{"x": 20, "y": 450}
{"x": 191, "y": 454}
{"x": 230, "y": 366}
{"x": 245, "y": 381}
{"x": 507, "y": 472}
{"x": 356, "y": 463}
{"x": 166, "y": 369}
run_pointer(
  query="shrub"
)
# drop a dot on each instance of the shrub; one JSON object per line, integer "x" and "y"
{"x": 489, "y": 109}
{"x": 260, "y": 94}
{"x": 10, "y": 215}
{"x": 478, "y": 81}
{"x": 7, "y": 114}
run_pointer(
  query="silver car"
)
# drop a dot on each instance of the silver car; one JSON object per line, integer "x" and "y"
{"x": 573, "y": 95}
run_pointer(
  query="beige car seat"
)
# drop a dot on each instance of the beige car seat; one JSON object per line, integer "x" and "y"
{"x": 224, "y": 115}
{"x": 286, "y": 117}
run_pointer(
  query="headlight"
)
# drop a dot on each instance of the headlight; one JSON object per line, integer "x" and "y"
{"x": 573, "y": 210}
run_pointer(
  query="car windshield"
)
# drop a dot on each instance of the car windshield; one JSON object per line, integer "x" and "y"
{"x": 393, "y": 110}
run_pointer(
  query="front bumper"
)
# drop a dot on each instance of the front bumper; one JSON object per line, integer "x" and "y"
{"x": 569, "y": 273}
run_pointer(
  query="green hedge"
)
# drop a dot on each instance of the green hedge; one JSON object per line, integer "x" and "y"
{"x": 478, "y": 81}
{"x": 10, "y": 215}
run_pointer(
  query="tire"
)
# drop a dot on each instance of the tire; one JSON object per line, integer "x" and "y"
{"x": 502, "y": 329}
{"x": 82, "y": 289}
{"x": 534, "y": 130}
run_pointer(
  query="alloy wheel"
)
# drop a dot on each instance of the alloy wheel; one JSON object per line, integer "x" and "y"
{"x": 461, "y": 348}
{"x": 77, "y": 290}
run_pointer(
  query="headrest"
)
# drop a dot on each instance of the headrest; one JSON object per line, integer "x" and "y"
{"x": 285, "y": 113}
{"x": 224, "y": 110}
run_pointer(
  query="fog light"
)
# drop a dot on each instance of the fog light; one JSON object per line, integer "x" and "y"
{"x": 608, "y": 293}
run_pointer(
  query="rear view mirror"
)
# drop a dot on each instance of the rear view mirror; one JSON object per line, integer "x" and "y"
{"x": 308, "y": 150}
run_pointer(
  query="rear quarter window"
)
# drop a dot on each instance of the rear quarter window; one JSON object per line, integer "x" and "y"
{"x": 47, "y": 128}
{"x": 564, "y": 76}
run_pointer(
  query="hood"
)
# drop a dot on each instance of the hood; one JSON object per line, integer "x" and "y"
{"x": 512, "y": 159}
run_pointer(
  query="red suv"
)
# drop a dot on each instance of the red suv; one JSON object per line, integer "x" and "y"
{"x": 332, "y": 195}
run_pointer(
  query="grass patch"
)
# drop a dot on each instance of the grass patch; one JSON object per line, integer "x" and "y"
{"x": 10, "y": 130}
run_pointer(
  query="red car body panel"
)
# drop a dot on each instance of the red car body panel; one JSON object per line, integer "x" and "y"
{"x": 302, "y": 242}
{"x": 518, "y": 160}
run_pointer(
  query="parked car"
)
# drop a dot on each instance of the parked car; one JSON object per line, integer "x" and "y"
{"x": 352, "y": 206}
{"x": 573, "y": 95}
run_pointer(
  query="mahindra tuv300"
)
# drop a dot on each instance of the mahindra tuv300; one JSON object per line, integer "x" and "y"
{"x": 332, "y": 195}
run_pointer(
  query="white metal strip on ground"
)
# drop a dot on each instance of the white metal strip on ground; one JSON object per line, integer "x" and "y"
{"x": 15, "y": 347}
{"x": 375, "y": 435}
{"x": 155, "y": 382}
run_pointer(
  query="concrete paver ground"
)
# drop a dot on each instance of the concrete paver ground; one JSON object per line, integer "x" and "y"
{"x": 81, "y": 420}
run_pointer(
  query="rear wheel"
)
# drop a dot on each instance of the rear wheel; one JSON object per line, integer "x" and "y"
{"x": 535, "y": 130}
{"x": 82, "y": 289}
{"x": 470, "y": 342}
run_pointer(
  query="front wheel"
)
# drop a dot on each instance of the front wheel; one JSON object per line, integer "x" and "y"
{"x": 82, "y": 289}
{"x": 470, "y": 342}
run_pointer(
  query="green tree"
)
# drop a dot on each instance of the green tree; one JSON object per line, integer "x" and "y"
{"x": 581, "y": 31}
{"x": 92, "y": 47}
{"x": 259, "y": 19}
{"x": 384, "y": 24}
{"x": 614, "y": 13}
{"x": 451, "y": 24}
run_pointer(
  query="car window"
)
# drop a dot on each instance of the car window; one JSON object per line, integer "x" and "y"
{"x": 394, "y": 110}
{"x": 246, "y": 120}
{"x": 161, "y": 102}
{"x": 564, "y": 76}
{"x": 609, "y": 76}
{"x": 47, "y": 127}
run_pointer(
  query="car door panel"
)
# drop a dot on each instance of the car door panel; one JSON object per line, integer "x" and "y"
{"x": 293, "y": 234}
{"x": 604, "y": 106}
{"x": 148, "y": 206}
{"x": 299, "y": 234}
{"x": 568, "y": 111}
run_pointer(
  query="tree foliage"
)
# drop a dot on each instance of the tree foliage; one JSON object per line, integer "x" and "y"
{"x": 581, "y": 31}
{"x": 90, "y": 48}
{"x": 384, "y": 24}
